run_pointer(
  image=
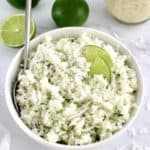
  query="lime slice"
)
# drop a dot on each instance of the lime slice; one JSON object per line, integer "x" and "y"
{"x": 70, "y": 12}
{"x": 100, "y": 67}
{"x": 13, "y": 30}
{"x": 92, "y": 51}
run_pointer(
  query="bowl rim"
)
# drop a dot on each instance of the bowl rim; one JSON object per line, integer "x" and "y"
{"x": 42, "y": 141}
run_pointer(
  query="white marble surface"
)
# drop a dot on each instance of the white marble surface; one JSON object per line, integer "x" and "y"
{"x": 136, "y": 37}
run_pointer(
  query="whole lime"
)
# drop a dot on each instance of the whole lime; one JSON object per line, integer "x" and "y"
{"x": 22, "y": 3}
{"x": 70, "y": 12}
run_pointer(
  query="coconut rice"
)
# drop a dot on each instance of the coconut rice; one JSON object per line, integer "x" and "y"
{"x": 62, "y": 104}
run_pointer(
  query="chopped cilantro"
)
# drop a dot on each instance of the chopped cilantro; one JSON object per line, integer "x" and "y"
{"x": 104, "y": 117}
{"x": 97, "y": 130}
{"x": 118, "y": 114}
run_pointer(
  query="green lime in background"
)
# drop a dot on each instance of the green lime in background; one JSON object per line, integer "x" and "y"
{"x": 70, "y": 12}
{"x": 21, "y": 3}
{"x": 12, "y": 31}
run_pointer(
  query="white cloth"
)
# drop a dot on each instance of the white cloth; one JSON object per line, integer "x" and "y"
{"x": 4, "y": 139}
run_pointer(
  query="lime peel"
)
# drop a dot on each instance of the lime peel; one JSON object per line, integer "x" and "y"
{"x": 20, "y": 4}
{"x": 70, "y": 12}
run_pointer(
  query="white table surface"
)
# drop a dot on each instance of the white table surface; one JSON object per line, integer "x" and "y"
{"x": 99, "y": 19}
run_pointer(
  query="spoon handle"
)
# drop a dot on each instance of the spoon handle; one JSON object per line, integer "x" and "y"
{"x": 27, "y": 32}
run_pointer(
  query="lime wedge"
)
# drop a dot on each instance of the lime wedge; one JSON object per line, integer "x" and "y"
{"x": 92, "y": 51}
{"x": 100, "y": 67}
{"x": 101, "y": 62}
{"x": 13, "y": 30}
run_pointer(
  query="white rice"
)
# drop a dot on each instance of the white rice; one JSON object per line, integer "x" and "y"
{"x": 60, "y": 103}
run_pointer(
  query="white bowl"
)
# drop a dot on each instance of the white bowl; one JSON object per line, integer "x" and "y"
{"x": 65, "y": 32}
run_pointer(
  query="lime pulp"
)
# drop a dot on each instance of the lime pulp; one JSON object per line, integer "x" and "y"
{"x": 92, "y": 51}
{"x": 13, "y": 30}
{"x": 100, "y": 60}
{"x": 100, "y": 67}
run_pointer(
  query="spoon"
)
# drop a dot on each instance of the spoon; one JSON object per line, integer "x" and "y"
{"x": 26, "y": 49}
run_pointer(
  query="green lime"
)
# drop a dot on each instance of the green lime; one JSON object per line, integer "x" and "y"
{"x": 101, "y": 62}
{"x": 13, "y": 30}
{"x": 92, "y": 51}
{"x": 100, "y": 67}
{"x": 21, "y": 3}
{"x": 70, "y": 12}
